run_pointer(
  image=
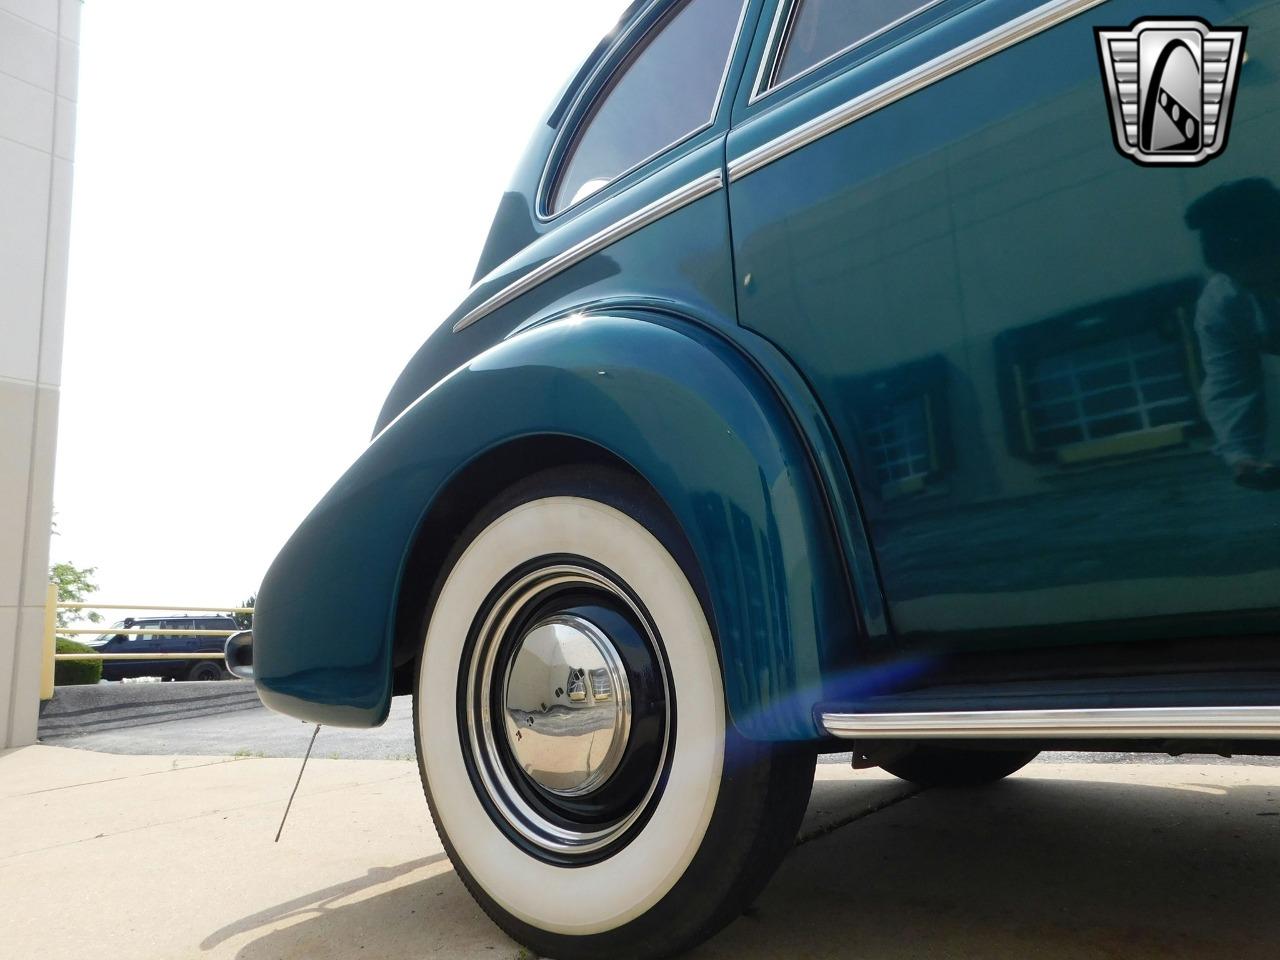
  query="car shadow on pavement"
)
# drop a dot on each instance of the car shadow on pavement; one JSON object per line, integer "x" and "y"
{"x": 1043, "y": 868}
{"x": 1032, "y": 867}
{"x": 321, "y": 903}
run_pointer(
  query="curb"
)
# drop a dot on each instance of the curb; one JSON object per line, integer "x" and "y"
{"x": 114, "y": 706}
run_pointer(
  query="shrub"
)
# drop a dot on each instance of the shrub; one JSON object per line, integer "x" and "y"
{"x": 70, "y": 672}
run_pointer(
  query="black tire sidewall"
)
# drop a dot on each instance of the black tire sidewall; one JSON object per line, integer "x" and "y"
{"x": 202, "y": 672}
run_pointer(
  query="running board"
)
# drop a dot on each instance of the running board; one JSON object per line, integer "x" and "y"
{"x": 1130, "y": 723}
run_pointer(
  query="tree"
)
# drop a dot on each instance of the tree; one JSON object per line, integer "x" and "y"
{"x": 74, "y": 585}
{"x": 245, "y": 620}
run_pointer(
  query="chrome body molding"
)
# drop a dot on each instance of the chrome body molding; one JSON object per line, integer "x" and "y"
{"x": 966, "y": 55}
{"x": 1136, "y": 723}
{"x": 651, "y": 213}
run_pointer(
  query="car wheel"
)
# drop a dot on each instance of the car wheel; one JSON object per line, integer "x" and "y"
{"x": 205, "y": 670}
{"x": 571, "y": 729}
{"x": 930, "y": 765}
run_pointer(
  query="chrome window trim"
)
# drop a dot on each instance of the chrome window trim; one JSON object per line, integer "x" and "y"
{"x": 573, "y": 119}
{"x": 576, "y": 117}
{"x": 781, "y": 25}
{"x": 953, "y": 61}
{"x": 1105, "y": 723}
{"x": 545, "y": 216}
{"x": 766, "y": 80}
{"x": 703, "y": 186}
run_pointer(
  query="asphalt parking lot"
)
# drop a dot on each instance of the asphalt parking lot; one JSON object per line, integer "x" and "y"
{"x": 165, "y": 857}
{"x": 239, "y": 726}
{"x": 230, "y": 727}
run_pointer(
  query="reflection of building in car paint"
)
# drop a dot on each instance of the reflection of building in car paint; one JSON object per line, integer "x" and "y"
{"x": 1113, "y": 379}
{"x": 1075, "y": 479}
{"x": 902, "y": 426}
{"x": 1131, "y": 384}
{"x": 897, "y": 435}
{"x": 1048, "y": 439}
{"x": 1106, "y": 382}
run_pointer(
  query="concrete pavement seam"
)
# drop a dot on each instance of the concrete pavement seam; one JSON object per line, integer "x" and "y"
{"x": 200, "y": 816}
{"x": 819, "y": 832}
{"x": 131, "y": 776}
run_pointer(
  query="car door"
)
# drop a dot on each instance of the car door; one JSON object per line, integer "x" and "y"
{"x": 148, "y": 642}
{"x": 208, "y": 644}
{"x": 118, "y": 643}
{"x": 176, "y": 643}
{"x": 998, "y": 312}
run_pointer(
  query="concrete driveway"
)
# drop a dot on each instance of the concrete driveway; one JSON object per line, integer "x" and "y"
{"x": 142, "y": 857}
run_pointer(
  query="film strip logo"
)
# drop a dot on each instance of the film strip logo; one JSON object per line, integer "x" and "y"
{"x": 1170, "y": 88}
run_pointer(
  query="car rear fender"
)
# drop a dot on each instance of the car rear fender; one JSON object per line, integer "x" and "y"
{"x": 684, "y": 409}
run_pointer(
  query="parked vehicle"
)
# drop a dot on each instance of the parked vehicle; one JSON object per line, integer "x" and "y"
{"x": 836, "y": 376}
{"x": 159, "y": 642}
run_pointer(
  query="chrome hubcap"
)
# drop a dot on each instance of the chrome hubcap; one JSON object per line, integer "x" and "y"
{"x": 567, "y": 705}
{"x": 566, "y": 713}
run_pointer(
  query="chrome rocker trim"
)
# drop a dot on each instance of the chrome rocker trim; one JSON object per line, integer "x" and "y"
{"x": 702, "y": 187}
{"x": 1133, "y": 723}
{"x": 953, "y": 61}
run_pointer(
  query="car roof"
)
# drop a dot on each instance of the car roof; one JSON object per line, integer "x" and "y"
{"x": 184, "y": 616}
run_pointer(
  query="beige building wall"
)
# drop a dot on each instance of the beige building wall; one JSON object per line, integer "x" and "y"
{"x": 39, "y": 52}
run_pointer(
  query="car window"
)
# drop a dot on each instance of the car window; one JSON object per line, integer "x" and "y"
{"x": 148, "y": 625}
{"x": 111, "y": 634}
{"x": 817, "y": 30}
{"x": 666, "y": 91}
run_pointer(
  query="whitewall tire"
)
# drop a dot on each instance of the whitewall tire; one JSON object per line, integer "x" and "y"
{"x": 574, "y": 831}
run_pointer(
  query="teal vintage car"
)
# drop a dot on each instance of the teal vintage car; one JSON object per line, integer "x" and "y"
{"x": 897, "y": 377}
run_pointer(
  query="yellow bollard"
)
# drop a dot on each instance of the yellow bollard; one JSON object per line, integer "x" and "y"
{"x": 50, "y": 641}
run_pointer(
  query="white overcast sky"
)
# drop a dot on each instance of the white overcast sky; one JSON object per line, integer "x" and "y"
{"x": 275, "y": 202}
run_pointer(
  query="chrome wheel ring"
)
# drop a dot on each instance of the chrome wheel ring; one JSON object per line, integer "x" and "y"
{"x": 567, "y": 714}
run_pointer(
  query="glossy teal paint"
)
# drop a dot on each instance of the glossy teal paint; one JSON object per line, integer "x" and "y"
{"x": 681, "y": 261}
{"x": 942, "y": 261}
{"x": 678, "y": 403}
{"x": 940, "y": 257}
{"x": 835, "y": 484}
{"x": 520, "y": 219}
{"x": 685, "y": 263}
{"x": 682, "y": 266}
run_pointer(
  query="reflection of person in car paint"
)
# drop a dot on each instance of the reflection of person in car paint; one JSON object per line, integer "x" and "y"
{"x": 1238, "y": 319}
